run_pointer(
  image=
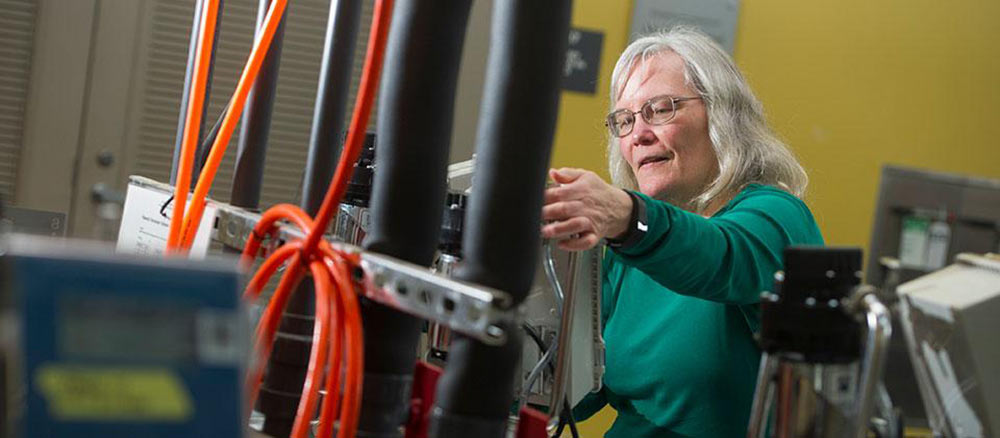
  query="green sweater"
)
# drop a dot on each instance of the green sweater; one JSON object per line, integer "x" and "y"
{"x": 680, "y": 310}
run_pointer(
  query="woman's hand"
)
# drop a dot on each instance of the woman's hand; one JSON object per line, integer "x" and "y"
{"x": 583, "y": 209}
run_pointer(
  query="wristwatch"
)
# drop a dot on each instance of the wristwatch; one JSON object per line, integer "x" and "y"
{"x": 637, "y": 225}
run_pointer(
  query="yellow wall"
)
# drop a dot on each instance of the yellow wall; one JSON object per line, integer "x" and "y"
{"x": 580, "y": 138}
{"x": 850, "y": 85}
{"x": 854, "y": 84}
{"x": 580, "y": 135}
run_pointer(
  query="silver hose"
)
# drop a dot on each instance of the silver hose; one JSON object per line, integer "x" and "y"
{"x": 550, "y": 274}
{"x": 879, "y": 331}
{"x": 535, "y": 373}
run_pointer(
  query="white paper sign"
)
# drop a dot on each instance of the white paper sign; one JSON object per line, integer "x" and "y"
{"x": 146, "y": 224}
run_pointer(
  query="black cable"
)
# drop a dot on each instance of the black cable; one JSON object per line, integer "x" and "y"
{"x": 206, "y": 145}
{"x": 538, "y": 340}
{"x": 567, "y": 415}
{"x": 572, "y": 424}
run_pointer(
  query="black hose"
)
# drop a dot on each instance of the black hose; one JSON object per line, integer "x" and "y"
{"x": 289, "y": 361}
{"x": 251, "y": 150}
{"x": 331, "y": 101}
{"x": 501, "y": 240}
{"x": 416, "y": 108}
{"x": 206, "y": 145}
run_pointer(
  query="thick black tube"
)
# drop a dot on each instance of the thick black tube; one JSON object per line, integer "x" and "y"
{"x": 186, "y": 92}
{"x": 416, "y": 109}
{"x": 501, "y": 240}
{"x": 289, "y": 361}
{"x": 252, "y": 146}
{"x": 280, "y": 389}
{"x": 331, "y": 101}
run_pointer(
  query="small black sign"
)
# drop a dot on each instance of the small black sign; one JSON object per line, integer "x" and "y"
{"x": 583, "y": 61}
{"x": 28, "y": 221}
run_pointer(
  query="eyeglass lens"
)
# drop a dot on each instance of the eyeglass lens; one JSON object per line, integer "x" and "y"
{"x": 655, "y": 112}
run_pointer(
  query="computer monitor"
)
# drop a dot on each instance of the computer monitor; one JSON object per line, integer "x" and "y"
{"x": 924, "y": 219}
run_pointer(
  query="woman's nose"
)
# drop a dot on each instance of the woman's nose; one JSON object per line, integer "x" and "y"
{"x": 642, "y": 135}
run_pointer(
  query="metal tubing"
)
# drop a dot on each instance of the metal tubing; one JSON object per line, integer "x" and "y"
{"x": 256, "y": 124}
{"x": 879, "y": 332}
{"x": 565, "y": 346}
{"x": 415, "y": 115}
{"x": 763, "y": 397}
{"x": 331, "y": 101}
{"x": 186, "y": 92}
{"x": 501, "y": 241}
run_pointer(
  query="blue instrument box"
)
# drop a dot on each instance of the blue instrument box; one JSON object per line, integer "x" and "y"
{"x": 117, "y": 346}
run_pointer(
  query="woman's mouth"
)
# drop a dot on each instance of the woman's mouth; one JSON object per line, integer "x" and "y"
{"x": 652, "y": 161}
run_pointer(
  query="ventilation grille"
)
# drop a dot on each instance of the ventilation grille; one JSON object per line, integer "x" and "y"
{"x": 293, "y": 107}
{"x": 17, "y": 29}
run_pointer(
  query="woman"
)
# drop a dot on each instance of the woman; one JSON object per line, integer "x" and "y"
{"x": 711, "y": 198}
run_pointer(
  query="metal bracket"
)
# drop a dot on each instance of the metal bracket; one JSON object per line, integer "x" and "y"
{"x": 233, "y": 228}
{"x": 473, "y": 310}
{"x": 470, "y": 309}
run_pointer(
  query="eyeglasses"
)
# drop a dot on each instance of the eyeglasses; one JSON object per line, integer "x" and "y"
{"x": 656, "y": 111}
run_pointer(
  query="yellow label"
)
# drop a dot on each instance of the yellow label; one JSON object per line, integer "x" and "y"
{"x": 92, "y": 393}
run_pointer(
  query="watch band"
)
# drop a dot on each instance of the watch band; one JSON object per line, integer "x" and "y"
{"x": 637, "y": 225}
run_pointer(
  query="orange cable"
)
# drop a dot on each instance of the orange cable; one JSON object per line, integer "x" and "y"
{"x": 359, "y": 121}
{"x": 317, "y": 355}
{"x": 330, "y": 403}
{"x": 347, "y": 323}
{"x": 192, "y": 121}
{"x": 266, "y": 226}
{"x": 351, "y": 406}
{"x": 268, "y": 268}
{"x": 268, "y": 325}
{"x": 233, "y": 113}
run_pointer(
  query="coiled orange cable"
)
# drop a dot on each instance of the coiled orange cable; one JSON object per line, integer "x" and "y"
{"x": 337, "y": 304}
{"x": 331, "y": 271}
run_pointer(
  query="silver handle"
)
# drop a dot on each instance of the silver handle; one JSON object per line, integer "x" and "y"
{"x": 879, "y": 330}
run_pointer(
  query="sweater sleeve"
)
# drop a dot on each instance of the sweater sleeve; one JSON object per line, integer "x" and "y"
{"x": 728, "y": 258}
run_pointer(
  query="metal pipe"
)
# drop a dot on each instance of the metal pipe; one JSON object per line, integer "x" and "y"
{"x": 501, "y": 241}
{"x": 765, "y": 394}
{"x": 414, "y": 127}
{"x": 879, "y": 324}
{"x": 186, "y": 91}
{"x": 550, "y": 273}
{"x": 256, "y": 124}
{"x": 565, "y": 329}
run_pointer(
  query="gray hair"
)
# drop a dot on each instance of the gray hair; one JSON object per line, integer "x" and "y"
{"x": 747, "y": 149}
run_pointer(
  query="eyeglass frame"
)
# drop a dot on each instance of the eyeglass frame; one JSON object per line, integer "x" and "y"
{"x": 609, "y": 119}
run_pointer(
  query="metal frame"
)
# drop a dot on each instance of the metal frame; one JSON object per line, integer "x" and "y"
{"x": 476, "y": 311}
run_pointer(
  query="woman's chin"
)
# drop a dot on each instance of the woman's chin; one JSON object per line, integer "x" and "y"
{"x": 655, "y": 184}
